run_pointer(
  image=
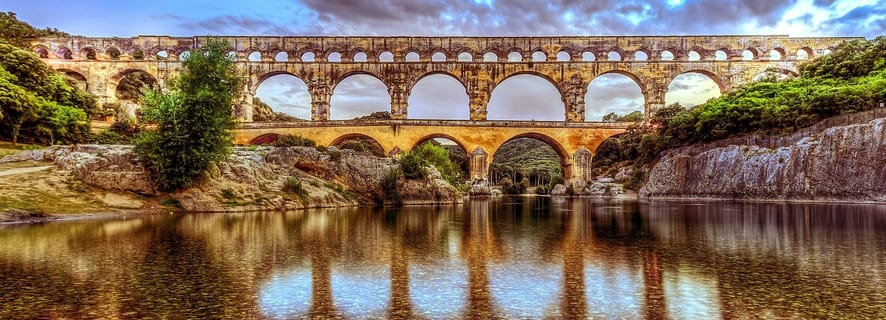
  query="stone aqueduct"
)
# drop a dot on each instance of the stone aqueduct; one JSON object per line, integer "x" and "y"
{"x": 479, "y": 63}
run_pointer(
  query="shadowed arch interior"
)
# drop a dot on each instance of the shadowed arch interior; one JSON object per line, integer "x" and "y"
{"x": 526, "y": 96}
{"x": 264, "y": 139}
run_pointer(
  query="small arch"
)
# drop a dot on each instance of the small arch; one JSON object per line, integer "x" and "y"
{"x": 333, "y": 57}
{"x": 232, "y": 55}
{"x": 113, "y": 53}
{"x": 361, "y": 57}
{"x": 776, "y": 54}
{"x": 465, "y": 57}
{"x": 693, "y": 56}
{"x": 490, "y": 57}
{"x": 184, "y": 55}
{"x": 254, "y": 56}
{"x": 826, "y": 51}
{"x": 588, "y": 56}
{"x": 413, "y": 57}
{"x": 161, "y": 55}
{"x": 88, "y": 53}
{"x": 748, "y": 55}
{"x": 804, "y": 53}
{"x": 721, "y": 55}
{"x": 386, "y": 56}
{"x": 42, "y": 52}
{"x": 640, "y": 56}
{"x": 307, "y": 57}
{"x": 359, "y": 142}
{"x": 613, "y": 56}
{"x": 64, "y": 53}
{"x": 515, "y": 57}
{"x": 265, "y": 139}
{"x": 281, "y": 56}
{"x": 667, "y": 56}
{"x": 539, "y": 56}
{"x": 618, "y": 92}
{"x": 564, "y": 56}
{"x": 138, "y": 54}
{"x": 438, "y": 57}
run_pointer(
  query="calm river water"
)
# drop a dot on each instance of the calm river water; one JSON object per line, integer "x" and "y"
{"x": 503, "y": 258}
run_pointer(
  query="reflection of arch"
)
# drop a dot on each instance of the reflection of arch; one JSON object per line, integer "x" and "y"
{"x": 709, "y": 74}
{"x": 264, "y": 139}
{"x": 424, "y": 139}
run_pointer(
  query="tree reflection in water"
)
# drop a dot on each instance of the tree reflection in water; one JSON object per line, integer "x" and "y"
{"x": 501, "y": 258}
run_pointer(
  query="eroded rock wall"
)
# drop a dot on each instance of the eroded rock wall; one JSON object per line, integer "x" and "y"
{"x": 842, "y": 163}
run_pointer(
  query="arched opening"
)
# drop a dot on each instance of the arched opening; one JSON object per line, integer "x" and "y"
{"x": 307, "y": 57}
{"x": 693, "y": 56}
{"x": 113, "y": 53}
{"x": 75, "y": 79}
{"x": 526, "y": 97}
{"x": 539, "y": 56}
{"x": 138, "y": 54}
{"x": 333, "y": 57}
{"x": 161, "y": 55}
{"x": 438, "y": 57}
{"x": 232, "y": 56}
{"x": 129, "y": 91}
{"x": 281, "y": 56}
{"x": 804, "y": 54}
{"x": 88, "y": 53}
{"x": 360, "y": 143}
{"x": 386, "y": 56}
{"x": 413, "y": 57}
{"x": 775, "y": 55}
{"x": 42, "y": 52}
{"x": 588, "y": 56}
{"x": 614, "y": 97}
{"x": 64, "y": 53}
{"x": 564, "y": 56}
{"x": 826, "y": 52}
{"x": 439, "y": 96}
{"x": 265, "y": 139}
{"x": 184, "y": 55}
{"x": 361, "y": 57}
{"x": 774, "y": 75}
{"x": 281, "y": 97}
{"x": 720, "y": 55}
{"x": 528, "y": 160}
{"x": 465, "y": 57}
{"x": 641, "y": 56}
{"x": 667, "y": 56}
{"x": 691, "y": 89}
{"x": 457, "y": 155}
{"x": 359, "y": 95}
{"x": 748, "y": 55}
{"x": 490, "y": 57}
{"x": 515, "y": 57}
{"x": 613, "y": 56}
{"x": 254, "y": 56}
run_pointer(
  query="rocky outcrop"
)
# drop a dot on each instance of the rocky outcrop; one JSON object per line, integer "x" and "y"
{"x": 842, "y": 163}
{"x": 251, "y": 178}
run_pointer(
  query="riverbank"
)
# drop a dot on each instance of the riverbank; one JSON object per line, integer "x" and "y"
{"x": 86, "y": 180}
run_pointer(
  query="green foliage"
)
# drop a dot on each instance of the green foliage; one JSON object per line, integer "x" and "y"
{"x": 290, "y": 140}
{"x": 413, "y": 166}
{"x": 334, "y": 155}
{"x": 38, "y": 105}
{"x": 509, "y": 187}
{"x": 194, "y": 119}
{"x": 20, "y": 33}
{"x": 379, "y": 115}
{"x": 636, "y": 116}
{"x": 133, "y": 85}
{"x": 294, "y": 186}
{"x": 390, "y": 185}
{"x": 361, "y": 144}
{"x": 526, "y": 158}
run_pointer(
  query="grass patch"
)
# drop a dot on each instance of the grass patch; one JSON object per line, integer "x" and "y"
{"x": 340, "y": 189}
{"x": 294, "y": 186}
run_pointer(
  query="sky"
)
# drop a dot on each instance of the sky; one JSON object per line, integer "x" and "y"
{"x": 441, "y": 97}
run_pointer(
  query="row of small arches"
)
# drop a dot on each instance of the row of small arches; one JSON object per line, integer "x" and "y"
{"x": 777, "y": 54}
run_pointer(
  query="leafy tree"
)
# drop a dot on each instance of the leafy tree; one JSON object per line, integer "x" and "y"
{"x": 20, "y": 33}
{"x": 636, "y": 116}
{"x": 194, "y": 119}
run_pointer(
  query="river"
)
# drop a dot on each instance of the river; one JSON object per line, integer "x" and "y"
{"x": 502, "y": 258}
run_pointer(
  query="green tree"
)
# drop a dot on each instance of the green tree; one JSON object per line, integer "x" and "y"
{"x": 194, "y": 119}
{"x": 20, "y": 33}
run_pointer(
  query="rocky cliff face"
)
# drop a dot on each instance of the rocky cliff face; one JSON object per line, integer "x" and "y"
{"x": 843, "y": 163}
{"x": 251, "y": 179}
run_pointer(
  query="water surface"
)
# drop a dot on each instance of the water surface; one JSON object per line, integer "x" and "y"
{"x": 507, "y": 258}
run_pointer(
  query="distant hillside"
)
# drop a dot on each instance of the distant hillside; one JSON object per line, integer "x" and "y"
{"x": 526, "y": 157}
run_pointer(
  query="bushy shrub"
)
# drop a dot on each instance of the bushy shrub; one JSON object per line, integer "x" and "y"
{"x": 391, "y": 185}
{"x": 290, "y": 140}
{"x": 294, "y": 186}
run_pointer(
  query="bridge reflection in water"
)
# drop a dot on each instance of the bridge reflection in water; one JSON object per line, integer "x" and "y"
{"x": 505, "y": 258}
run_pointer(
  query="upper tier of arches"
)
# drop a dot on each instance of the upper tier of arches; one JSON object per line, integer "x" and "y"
{"x": 449, "y": 49}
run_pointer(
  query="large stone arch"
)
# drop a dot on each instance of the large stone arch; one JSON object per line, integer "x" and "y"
{"x": 710, "y": 74}
{"x": 261, "y": 78}
{"x": 415, "y": 142}
{"x": 559, "y": 148}
{"x": 495, "y": 84}
{"x": 77, "y": 76}
{"x": 650, "y": 95}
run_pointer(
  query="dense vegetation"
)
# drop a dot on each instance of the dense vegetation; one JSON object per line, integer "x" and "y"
{"x": 193, "y": 119}
{"x": 20, "y": 34}
{"x": 851, "y": 79}
{"x": 414, "y": 163}
{"x": 525, "y": 158}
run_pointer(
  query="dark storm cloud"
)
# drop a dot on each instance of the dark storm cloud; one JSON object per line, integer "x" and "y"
{"x": 870, "y": 19}
{"x": 231, "y": 24}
